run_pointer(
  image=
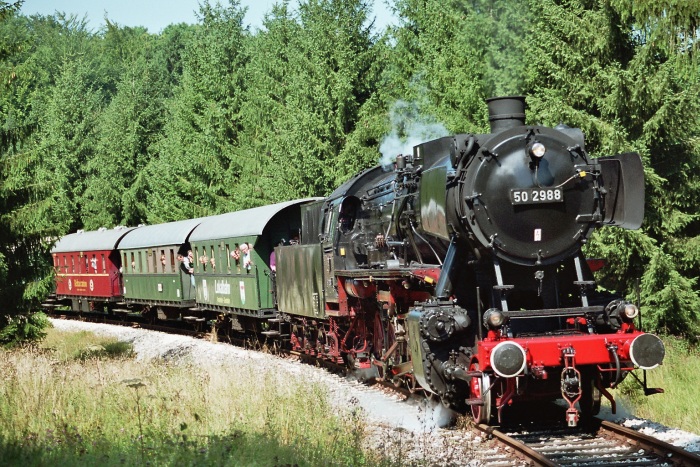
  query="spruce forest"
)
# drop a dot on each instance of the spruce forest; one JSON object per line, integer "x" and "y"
{"x": 119, "y": 126}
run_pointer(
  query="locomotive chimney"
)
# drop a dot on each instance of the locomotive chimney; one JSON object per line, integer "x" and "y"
{"x": 506, "y": 112}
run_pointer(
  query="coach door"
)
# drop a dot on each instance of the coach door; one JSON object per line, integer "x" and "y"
{"x": 328, "y": 241}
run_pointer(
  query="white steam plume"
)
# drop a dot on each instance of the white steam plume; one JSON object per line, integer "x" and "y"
{"x": 408, "y": 128}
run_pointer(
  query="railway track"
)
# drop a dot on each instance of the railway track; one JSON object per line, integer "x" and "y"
{"x": 134, "y": 324}
{"x": 603, "y": 444}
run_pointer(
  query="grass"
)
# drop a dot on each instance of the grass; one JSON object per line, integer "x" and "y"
{"x": 82, "y": 345}
{"x": 679, "y": 376}
{"x": 81, "y": 399}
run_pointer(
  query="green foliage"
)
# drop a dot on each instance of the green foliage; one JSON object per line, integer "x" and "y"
{"x": 69, "y": 347}
{"x": 619, "y": 71}
{"x": 456, "y": 54}
{"x": 194, "y": 168}
{"x": 307, "y": 80}
{"x": 670, "y": 301}
{"x": 106, "y": 350}
{"x": 23, "y": 329}
{"x": 46, "y": 124}
{"x": 128, "y": 127}
{"x": 125, "y": 127}
{"x": 66, "y": 142}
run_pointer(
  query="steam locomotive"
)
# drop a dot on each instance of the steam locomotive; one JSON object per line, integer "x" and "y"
{"x": 457, "y": 272}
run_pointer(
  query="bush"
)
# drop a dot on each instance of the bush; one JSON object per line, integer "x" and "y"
{"x": 24, "y": 329}
{"x": 106, "y": 350}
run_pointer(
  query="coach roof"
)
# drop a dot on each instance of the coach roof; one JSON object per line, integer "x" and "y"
{"x": 94, "y": 240}
{"x": 171, "y": 233}
{"x": 249, "y": 222}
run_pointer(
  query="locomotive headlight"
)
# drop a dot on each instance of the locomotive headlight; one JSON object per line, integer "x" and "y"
{"x": 494, "y": 318}
{"x": 508, "y": 359}
{"x": 631, "y": 311}
{"x": 537, "y": 150}
{"x": 647, "y": 351}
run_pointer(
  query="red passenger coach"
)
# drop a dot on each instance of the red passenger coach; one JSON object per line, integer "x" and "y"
{"x": 87, "y": 268}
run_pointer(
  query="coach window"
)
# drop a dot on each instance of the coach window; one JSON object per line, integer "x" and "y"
{"x": 104, "y": 264}
{"x": 212, "y": 261}
{"x": 228, "y": 258}
{"x": 237, "y": 258}
{"x": 172, "y": 260}
{"x": 139, "y": 268}
{"x": 202, "y": 263}
{"x": 125, "y": 264}
{"x": 133, "y": 262}
{"x": 87, "y": 268}
{"x": 65, "y": 264}
{"x": 72, "y": 264}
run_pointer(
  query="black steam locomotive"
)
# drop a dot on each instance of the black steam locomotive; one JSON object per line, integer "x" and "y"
{"x": 458, "y": 271}
{"x": 464, "y": 265}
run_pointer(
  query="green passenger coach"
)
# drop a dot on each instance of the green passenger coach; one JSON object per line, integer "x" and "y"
{"x": 232, "y": 256}
{"x": 151, "y": 270}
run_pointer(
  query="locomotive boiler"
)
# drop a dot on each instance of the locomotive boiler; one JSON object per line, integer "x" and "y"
{"x": 459, "y": 270}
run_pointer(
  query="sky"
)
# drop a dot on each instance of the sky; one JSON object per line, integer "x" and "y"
{"x": 157, "y": 14}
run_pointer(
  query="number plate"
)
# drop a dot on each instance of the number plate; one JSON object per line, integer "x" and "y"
{"x": 536, "y": 195}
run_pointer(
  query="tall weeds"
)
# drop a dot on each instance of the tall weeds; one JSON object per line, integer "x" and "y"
{"x": 96, "y": 408}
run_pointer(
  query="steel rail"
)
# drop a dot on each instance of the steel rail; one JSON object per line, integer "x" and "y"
{"x": 667, "y": 451}
{"x": 536, "y": 457}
